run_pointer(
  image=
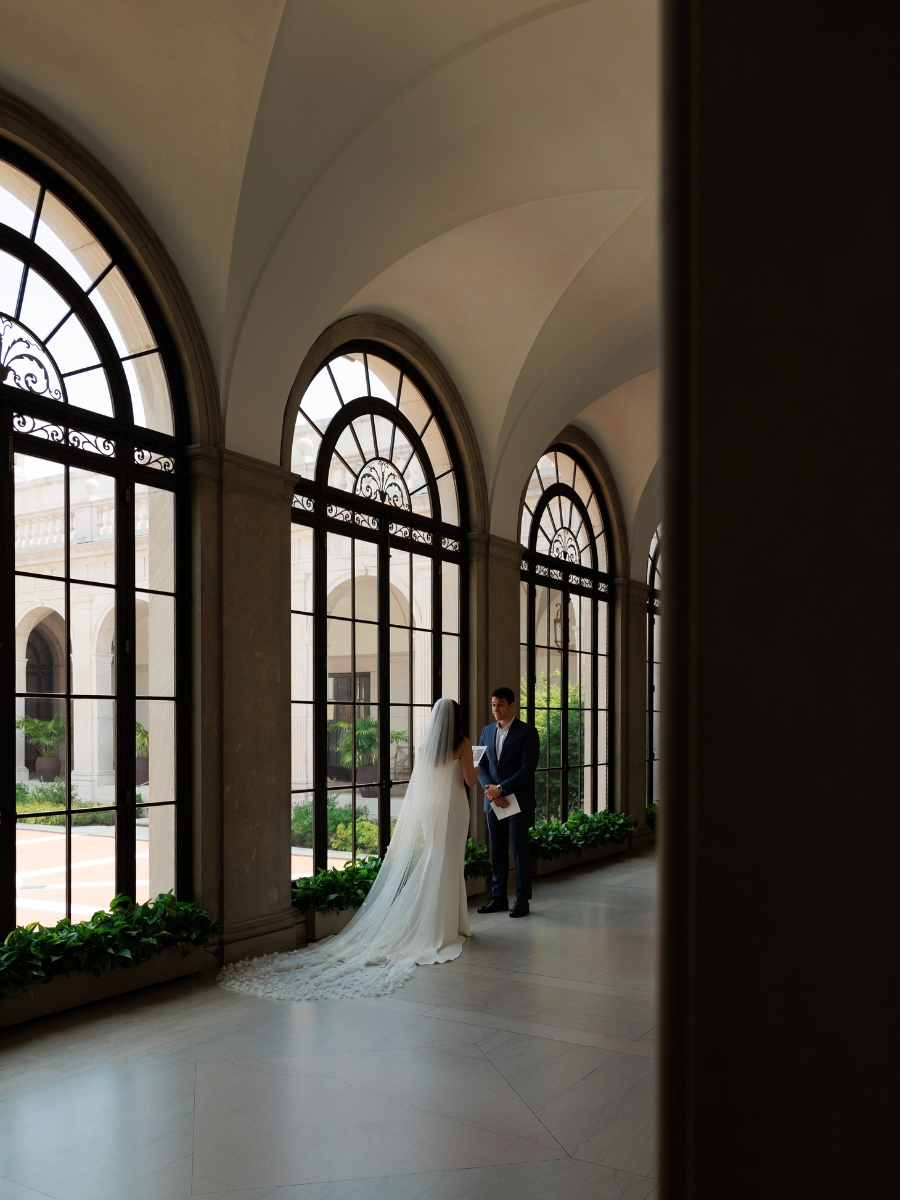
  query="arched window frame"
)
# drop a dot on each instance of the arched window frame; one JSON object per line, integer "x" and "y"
{"x": 131, "y": 455}
{"x": 572, "y": 580}
{"x": 329, "y": 509}
{"x": 654, "y": 612}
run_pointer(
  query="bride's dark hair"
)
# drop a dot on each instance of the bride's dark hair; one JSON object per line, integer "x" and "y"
{"x": 458, "y": 734}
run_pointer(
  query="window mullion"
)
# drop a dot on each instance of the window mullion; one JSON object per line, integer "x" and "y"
{"x": 125, "y": 705}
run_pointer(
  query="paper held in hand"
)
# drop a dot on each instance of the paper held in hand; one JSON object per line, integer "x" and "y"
{"x": 478, "y": 753}
{"x": 512, "y": 806}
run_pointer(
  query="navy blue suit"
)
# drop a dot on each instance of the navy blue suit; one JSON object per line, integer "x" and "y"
{"x": 515, "y": 775}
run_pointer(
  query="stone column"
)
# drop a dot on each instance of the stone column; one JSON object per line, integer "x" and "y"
{"x": 630, "y": 701}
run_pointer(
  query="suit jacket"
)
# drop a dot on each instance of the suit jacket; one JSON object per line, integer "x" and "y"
{"x": 518, "y": 761}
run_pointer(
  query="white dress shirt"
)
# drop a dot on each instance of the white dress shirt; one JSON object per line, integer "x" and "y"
{"x": 499, "y": 739}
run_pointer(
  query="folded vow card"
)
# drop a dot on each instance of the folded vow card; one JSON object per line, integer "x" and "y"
{"x": 512, "y": 806}
{"x": 478, "y": 753}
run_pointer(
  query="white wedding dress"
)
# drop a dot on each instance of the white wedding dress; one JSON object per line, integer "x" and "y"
{"x": 416, "y": 911}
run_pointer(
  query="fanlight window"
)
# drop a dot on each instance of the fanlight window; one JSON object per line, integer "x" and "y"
{"x": 374, "y": 455}
{"x": 68, "y": 317}
{"x": 571, "y": 524}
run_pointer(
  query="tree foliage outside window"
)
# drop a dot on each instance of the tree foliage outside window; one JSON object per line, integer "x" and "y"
{"x": 548, "y": 723}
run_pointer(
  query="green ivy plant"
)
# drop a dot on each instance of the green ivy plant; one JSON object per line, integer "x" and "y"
{"x": 45, "y": 735}
{"x": 346, "y": 887}
{"x": 582, "y": 831}
{"x": 125, "y": 936}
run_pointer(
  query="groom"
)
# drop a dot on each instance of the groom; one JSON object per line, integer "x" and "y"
{"x": 507, "y": 768}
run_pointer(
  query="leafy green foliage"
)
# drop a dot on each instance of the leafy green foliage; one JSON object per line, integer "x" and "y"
{"x": 141, "y": 741}
{"x": 582, "y": 831}
{"x": 46, "y": 735}
{"x": 652, "y": 811}
{"x": 366, "y": 740}
{"x": 340, "y": 830}
{"x": 548, "y": 722}
{"x": 347, "y": 886}
{"x": 125, "y": 936}
{"x": 44, "y": 796}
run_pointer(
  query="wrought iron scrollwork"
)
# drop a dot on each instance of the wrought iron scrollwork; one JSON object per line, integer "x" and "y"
{"x": 565, "y": 546}
{"x": 366, "y": 521}
{"x": 450, "y": 544}
{"x": 304, "y": 503}
{"x": 540, "y": 569}
{"x": 158, "y": 462}
{"x": 419, "y": 535}
{"x": 395, "y": 529}
{"x": 336, "y": 513}
{"x": 380, "y": 480}
{"x": 602, "y": 587}
{"x": 26, "y": 364}
{"x": 95, "y": 443}
{"x": 22, "y": 423}
{"x": 554, "y": 574}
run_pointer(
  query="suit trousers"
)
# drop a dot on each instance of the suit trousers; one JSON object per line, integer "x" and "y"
{"x": 511, "y": 829}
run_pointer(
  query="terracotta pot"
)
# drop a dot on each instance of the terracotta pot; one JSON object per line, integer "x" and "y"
{"x": 46, "y": 768}
{"x": 141, "y": 770}
{"x": 368, "y": 775}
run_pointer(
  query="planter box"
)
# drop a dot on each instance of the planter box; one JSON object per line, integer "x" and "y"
{"x": 81, "y": 987}
{"x": 547, "y": 866}
{"x": 322, "y": 925}
{"x": 477, "y": 887}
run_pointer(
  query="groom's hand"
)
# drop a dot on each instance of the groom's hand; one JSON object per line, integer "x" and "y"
{"x": 495, "y": 796}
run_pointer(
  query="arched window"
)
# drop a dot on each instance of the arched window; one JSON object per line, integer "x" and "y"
{"x": 93, "y": 550}
{"x": 377, "y": 597}
{"x": 654, "y": 584}
{"x": 565, "y": 633}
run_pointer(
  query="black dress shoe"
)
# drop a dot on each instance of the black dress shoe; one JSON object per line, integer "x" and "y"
{"x": 520, "y": 909}
{"x": 494, "y": 905}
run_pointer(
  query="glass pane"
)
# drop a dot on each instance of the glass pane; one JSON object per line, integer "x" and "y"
{"x": 413, "y": 405}
{"x": 40, "y": 872}
{"x": 523, "y": 612}
{"x": 602, "y": 681}
{"x": 338, "y": 575}
{"x": 576, "y": 736}
{"x": 90, "y": 390}
{"x": 384, "y": 380}
{"x": 366, "y": 821}
{"x": 554, "y": 678}
{"x": 70, "y": 242}
{"x": 93, "y": 862}
{"x": 340, "y": 660}
{"x": 421, "y": 717}
{"x": 436, "y": 448}
{"x": 10, "y": 275}
{"x": 122, "y": 315}
{"x": 449, "y": 503}
{"x": 400, "y": 587}
{"x": 155, "y": 745}
{"x": 350, "y": 456}
{"x": 301, "y": 656}
{"x": 541, "y": 616}
{"x": 71, "y": 347}
{"x": 540, "y": 675}
{"x": 92, "y": 629}
{"x": 422, "y": 668}
{"x": 154, "y": 644}
{"x": 93, "y": 753}
{"x": 401, "y": 660}
{"x": 450, "y": 666}
{"x": 42, "y": 306}
{"x": 301, "y": 746}
{"x": 450, "y": 597}
{"x": 40, "y": 515}
{"x": 421, "y": 573}
{"x": 401, "y": 747}
{"x": 305, "y": 446}
{"x": 301, "y": 568}
{"x": 339, "y": 814}
{"x": 18, "y": 198}
{"x": 41, "y": 643}
{"x": 602, "y": 789}
{"x": 602, "y": 627}
{"x": 366, "y": 662}
{"x": 366, "y": 580}
{"x": 350, "y": 376}
{"x": 155, "y": 852}
{"x": 365, "y": 435}
{"x": 301, "y": 835}
{"x": 41, "y": 724}
{"x": 151, "y": 402}
{"x": 384, "y": 436}
{"x": 92, "y": 525}
{"x": 154, "y": 538}
{"x": 320, "y": 401}
{"x": 523, "y": 680}
{"x": 365, "y": 746}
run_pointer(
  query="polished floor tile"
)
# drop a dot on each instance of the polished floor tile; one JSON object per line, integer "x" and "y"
{"x": 523, "y": 1070}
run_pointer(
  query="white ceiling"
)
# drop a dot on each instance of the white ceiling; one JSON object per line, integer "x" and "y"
{"x": 484, "y": 171}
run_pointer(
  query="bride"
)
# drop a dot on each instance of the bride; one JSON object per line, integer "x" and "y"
{"x": 416, "y": 911}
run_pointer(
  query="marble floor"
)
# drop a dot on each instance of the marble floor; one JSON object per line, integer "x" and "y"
{"x": 524, "y": 1070}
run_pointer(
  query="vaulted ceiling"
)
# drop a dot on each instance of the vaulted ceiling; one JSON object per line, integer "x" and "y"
{"x": 484, "y": 171}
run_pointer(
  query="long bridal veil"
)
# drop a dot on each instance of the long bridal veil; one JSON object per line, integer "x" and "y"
{"x": 397, "y": 926}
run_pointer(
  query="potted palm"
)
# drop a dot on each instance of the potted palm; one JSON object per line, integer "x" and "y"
{"x": 366, "y": 757}
{"x": 141, "y": 754}
{"x": 45, "y": 736}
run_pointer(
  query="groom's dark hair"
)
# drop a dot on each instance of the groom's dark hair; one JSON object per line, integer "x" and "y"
{"x": 506, "y": 694}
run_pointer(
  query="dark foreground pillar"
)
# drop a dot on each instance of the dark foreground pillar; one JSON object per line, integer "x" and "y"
{"x": 782, "y": 726}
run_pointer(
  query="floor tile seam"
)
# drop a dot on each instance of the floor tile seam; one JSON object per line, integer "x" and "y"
{"x": 598, "y": 1041}
{"x": 576, "y": 1157}
{"x": 529, "y": 1018}
{"x": 73, "y": 1074}
{"x": 513, "y": 1088}
{"x": 575, "y": 985}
